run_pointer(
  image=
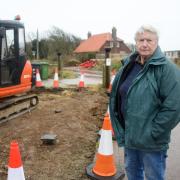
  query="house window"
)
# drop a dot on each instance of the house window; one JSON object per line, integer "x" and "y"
{"x": 111, "y": 44}
{"x": 178, "y": 54}
{"x": 169, "y": 54}
{"x": 117, "y": 44}
{"x": 174, "y": 54}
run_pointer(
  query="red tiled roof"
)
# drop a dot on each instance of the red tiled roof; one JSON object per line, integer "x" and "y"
{"x": 94, "y": 43}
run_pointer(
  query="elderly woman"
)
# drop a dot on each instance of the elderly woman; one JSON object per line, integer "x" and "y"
{"x": 145, "y": 107}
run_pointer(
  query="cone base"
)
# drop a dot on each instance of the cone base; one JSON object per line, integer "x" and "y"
{"x": 81, "y": 84}
{"x": 56, "y": 89}
{"x": 118, "y": 176}
{"x": 40, "y": 88}
{"x": 39, "y": 85}
{"x": 55, "y": 84}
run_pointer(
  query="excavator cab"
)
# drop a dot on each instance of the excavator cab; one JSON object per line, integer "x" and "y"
{"x": 15, "y": 69}
{"x": 15, "y": 72}
{"x": 12, "y": 53}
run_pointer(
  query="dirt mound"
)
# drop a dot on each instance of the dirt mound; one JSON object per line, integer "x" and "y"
{"x": 75, "y": 117}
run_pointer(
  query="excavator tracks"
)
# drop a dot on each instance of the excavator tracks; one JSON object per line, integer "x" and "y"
{"x": 16, "y": 106}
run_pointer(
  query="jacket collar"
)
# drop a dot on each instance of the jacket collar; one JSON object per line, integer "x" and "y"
{"x": 158, "y": 58}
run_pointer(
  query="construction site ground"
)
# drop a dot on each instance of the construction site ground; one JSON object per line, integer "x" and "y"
{"x": 75, "y": 117}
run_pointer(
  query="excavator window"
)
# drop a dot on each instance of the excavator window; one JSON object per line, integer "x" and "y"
{"x": 3, "y": 48}
{"x": 10, "y": 43}
{"x": 8, "y": 58}
{"x": 21, "y": 42}
{"x": 12, "y": 52}
{"x": 8, "y": 48}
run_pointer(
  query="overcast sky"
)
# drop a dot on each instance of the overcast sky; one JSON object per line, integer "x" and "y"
{"x": 99, "y": 16}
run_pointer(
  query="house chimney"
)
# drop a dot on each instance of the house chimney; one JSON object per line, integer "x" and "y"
{"x": 114, "y": 37}
{"x": 89, "y": 35}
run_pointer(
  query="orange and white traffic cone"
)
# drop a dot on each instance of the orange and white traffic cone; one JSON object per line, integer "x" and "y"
{"x": 108, "y": 115}
{"x": 56, "y": 79}
{"x": 39, "y": 83}
{"x": 15, "y": 168}
{"x": 104, "y": 167}
{"x": 112, "y": 79}
{"x": 81, "y": 82}
{"x": 107, "y": 112}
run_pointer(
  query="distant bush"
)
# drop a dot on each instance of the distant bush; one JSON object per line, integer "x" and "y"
{"x": 116, "y": 67}
{"x": 72, "y": 62}
{"x": 65, "y": 74}
{"x": 86, "y": 56}
{"x": 116, "y": 64}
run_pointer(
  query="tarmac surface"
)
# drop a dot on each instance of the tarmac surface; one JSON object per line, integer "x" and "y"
{"x": 90, "y": 78}
{"x": 173, "y": 160}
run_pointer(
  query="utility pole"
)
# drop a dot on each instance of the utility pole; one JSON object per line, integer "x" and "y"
{"x": 59, "y": 61}
{"x": 37, "y": 45}
{"x": 107, "y": 67}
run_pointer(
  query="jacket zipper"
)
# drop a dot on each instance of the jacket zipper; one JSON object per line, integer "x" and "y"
{"x": 134, "y": 82}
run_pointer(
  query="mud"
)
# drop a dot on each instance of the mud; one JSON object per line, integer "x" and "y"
{"x": 75, "y": 117}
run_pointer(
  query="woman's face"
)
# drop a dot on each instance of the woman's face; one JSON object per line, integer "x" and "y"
{"x": 146, "y": 44}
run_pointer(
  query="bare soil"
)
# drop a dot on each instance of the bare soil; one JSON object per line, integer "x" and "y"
{"x": 75, "y": 117}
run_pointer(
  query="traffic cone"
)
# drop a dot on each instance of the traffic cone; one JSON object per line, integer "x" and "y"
{"x": 81, "y": 82}
{"x": 105, "y": 165}
{"x": 107, "y": 112}
{"x": 15, "y": 168}
{"x": 108, "y": 115}
{"x": 38, "y": 79}
{"x": 104, "y": 168}
{"x": 111, "y": 83}
{"x": 56, "y": 79}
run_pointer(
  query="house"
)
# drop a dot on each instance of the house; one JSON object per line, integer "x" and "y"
{"x": 173, "y": 54}
{"x": 97, "y": 44}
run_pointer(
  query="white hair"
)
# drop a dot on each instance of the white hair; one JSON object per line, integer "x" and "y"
{"x": 146, "y": 28}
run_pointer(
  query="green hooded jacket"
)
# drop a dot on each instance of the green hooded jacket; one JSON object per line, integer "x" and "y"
{"x": 152, "y": 106}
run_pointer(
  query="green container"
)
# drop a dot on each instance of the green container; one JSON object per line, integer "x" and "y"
{"x": 44, "y": 70}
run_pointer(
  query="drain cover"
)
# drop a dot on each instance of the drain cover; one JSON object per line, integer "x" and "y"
{"x": 49, "y": 138}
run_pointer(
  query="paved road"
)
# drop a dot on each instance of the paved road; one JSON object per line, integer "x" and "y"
{"x": 85, "y": 70}
{"x": 173, "y": 161}
{"x": 90, "y": 78}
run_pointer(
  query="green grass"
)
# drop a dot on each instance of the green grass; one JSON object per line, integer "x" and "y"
{"x": 66, "y": 74}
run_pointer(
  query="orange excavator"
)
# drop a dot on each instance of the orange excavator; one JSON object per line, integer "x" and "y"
{"x": 15, "y": 72}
